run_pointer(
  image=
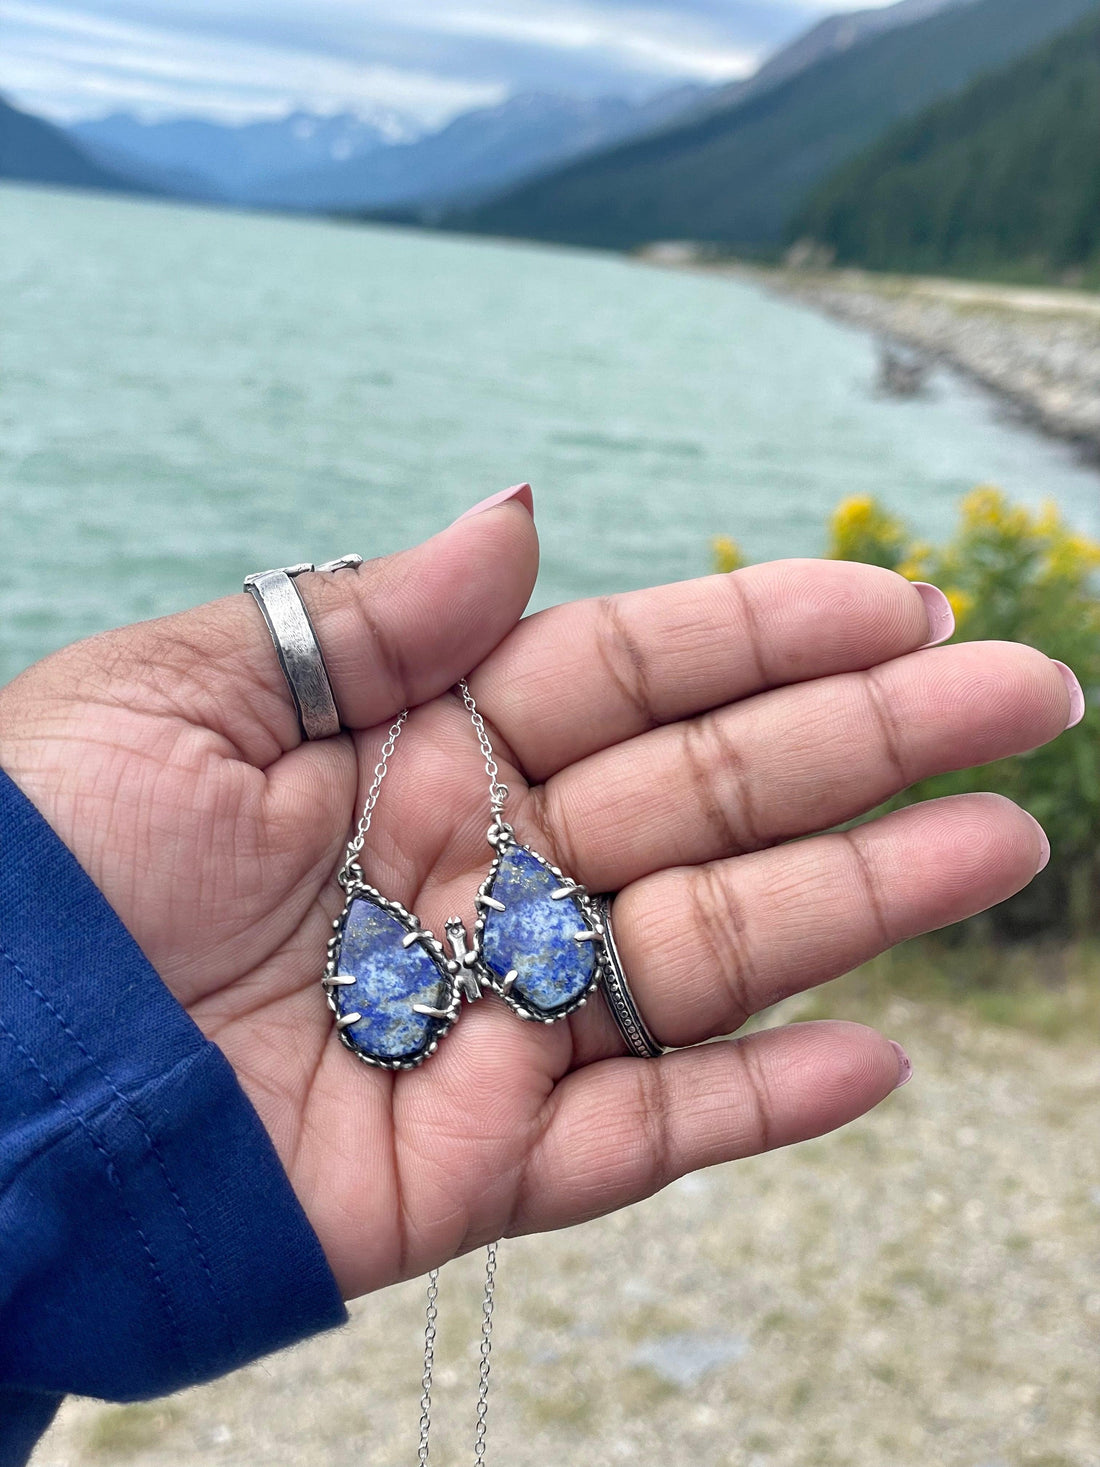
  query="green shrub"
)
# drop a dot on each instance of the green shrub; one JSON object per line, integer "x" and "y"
{"x": 1014, "y": 575}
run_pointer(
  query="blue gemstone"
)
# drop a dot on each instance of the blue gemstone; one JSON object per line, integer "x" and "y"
{"x": 536, "y": 936}
{"x": 389, "y": 979}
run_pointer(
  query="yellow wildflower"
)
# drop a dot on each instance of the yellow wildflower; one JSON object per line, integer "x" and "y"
{"x": 962, "y": 604}
{"x": 725, "y": 554}
{"x": 860, "y": 529}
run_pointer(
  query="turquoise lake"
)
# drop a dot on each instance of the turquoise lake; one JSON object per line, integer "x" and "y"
{"x": 190, "y": 394}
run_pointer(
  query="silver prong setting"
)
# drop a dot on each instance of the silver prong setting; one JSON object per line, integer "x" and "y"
{"x": 504, "y": 986}
{"x": 432, "y": 1013}
{"x": 332, "y": 980}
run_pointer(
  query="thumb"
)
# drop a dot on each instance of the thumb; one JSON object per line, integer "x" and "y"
{"x": 394, "y": 632}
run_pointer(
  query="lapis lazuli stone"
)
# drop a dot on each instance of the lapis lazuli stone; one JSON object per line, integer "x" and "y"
{"x": 389, "y": 980}
{"x": 536, "y": 936}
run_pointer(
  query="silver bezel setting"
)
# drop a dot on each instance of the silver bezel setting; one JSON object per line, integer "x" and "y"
{"x": 448, "y": 968}
{"x": 574, "y": 892}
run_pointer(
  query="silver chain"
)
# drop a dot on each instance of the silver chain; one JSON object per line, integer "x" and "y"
{"x": 498, "y": 792}
{"x": 486, "y": 1347}
{"x": 431, "y": 1316}
{"x": 351, "y": 870}
{"x": 351, "y": 866}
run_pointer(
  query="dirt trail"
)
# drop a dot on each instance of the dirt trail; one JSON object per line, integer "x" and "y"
{"x": 923, "y": 1287}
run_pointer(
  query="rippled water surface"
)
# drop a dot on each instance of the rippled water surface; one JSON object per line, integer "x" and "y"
{"x": 187, "y": 395}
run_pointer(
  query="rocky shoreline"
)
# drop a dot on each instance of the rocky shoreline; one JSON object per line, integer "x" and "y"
{"x": 1039, "y": 350}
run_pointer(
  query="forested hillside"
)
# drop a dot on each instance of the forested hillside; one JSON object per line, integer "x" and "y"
{"x": 1003, "y": 179}
{"x": 739, "y": 175}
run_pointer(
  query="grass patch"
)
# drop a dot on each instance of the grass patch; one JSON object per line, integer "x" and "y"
{"x": 1048, "y": 989}
{"x": 123, "y": 1431}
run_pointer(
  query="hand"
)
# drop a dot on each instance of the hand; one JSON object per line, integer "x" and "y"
{"x": 667, "y": 744}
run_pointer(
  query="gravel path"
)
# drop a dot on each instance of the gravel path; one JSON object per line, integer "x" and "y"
{"x": 1040, "y": 349}
{"x": 922, "y": 1288}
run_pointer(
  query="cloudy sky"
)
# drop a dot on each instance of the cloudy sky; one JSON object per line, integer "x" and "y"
{"x": 424, "y": 59}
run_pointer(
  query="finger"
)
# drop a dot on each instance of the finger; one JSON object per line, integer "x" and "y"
{"x": 706, "y": 947}
{"x": 623, "y": 1129}
{"x": 797, "y": 759}
{"x": 394, "y": 632}
{"x": 584, "y": 676}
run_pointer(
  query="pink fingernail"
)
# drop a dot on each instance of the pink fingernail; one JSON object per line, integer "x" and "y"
{"x": 941, "y": 619}
{"x": 1075, "y": 691}
{"x": 1044, "y": 844}
{"x": 521, "y": 492}
{"x": 905, "y": 1067}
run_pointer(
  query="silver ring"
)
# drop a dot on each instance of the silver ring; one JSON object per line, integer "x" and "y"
{"x": 616, "y": 990}
{"x": 296, "y": 643}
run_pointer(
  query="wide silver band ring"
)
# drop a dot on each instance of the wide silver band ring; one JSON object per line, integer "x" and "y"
{"x": 296, "y": 644}
{"x": 616, "y": 991}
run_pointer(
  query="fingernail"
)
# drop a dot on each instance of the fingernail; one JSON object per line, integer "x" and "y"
{"x": 1044, "y": 844}
{"x": 521, "y": 492}
{"x": 905, "y": 1067}
{"x": 941, "y": 619}
{"x": 1076, "y": 694}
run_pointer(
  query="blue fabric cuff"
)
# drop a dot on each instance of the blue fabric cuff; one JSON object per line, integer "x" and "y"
{"x": 24, "y": 1416}
{"x": 149, "y": 1237}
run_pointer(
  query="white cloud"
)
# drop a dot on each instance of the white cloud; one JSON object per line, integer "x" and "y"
{"x": 647, "y": 40}
{"x": 428, "y": 59}
{"x": 67, "y": 63}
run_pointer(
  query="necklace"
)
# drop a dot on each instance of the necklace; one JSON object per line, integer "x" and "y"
{"x": 539, "y": 942}
{"x": 431, "y": 1314}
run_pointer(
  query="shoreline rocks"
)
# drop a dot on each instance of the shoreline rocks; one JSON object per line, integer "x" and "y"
{"x": 1039, "y": 350}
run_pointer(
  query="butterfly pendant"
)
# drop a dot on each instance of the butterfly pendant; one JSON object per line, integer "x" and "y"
{"x": 396, "y": 991}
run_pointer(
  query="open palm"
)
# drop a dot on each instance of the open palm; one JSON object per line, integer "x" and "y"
{"x": 670, "y": 745}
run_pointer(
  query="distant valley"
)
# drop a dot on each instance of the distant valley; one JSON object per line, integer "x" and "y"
{"x": 384, "y": 162}
{"x": 197, "y": 157}
{"x": 345, "y": 162}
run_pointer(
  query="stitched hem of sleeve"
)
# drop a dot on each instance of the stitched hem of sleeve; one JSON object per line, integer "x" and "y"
{"x": 163, "y": 1146}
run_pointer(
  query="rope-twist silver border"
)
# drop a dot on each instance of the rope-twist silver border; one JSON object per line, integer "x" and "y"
{"x": 616, "y": 992}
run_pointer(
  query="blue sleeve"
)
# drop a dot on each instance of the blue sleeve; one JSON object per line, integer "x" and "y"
{"x": 149, "y": 1238}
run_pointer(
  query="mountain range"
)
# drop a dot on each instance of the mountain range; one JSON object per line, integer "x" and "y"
{"x": 34, "y": 151}
{"x": 829, "y": 37}
{"x": 739, "y": 173}
{"x": 197, "y": 156}
{"x": 477, "y": 154}
{"x": 929, "y": 134}
{"x": 384, "y": 162}
{"x": 345, "y": 162}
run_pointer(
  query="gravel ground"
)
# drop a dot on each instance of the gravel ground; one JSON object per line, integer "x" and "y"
{"x": 921, "y": 1288}
{"x": 1039, "y": 349}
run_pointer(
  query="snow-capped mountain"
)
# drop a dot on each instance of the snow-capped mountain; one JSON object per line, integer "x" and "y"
{"x": 198, "y": 155}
